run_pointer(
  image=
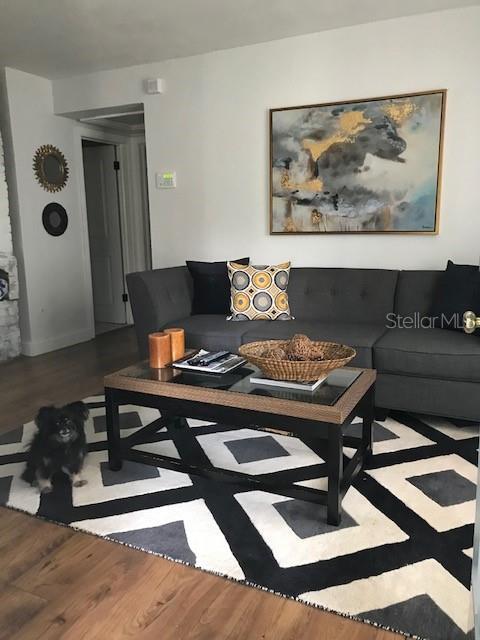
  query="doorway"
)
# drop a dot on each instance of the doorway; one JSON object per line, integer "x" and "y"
{"x": 100, "y": 166}
{"x": 116, "y": 211}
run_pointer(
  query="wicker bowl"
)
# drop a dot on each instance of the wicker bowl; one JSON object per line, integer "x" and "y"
{"x": 335, "y": 356}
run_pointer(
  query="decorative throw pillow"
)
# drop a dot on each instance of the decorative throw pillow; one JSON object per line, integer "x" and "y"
{"x": 259, "y": 293}
{"x": 458, "y": 291}
{"x": 211, "y": 286}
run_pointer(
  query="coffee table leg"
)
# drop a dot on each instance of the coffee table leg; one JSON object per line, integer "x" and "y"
{"x": 113, "y": 431}
{"x": 335, "y": 473}
{"x": 368, "y": 417}
{"x": 180, "y": 423}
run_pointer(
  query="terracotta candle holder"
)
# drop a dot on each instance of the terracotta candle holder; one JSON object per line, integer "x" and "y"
{"x": 178, "y": 342}
{"x": 160, "y": 350}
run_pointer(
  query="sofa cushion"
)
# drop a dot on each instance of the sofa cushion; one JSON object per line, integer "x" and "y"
{"x": 361, "y": 337}
{"x": 342, "y": 295}
{"x": 458, "y": 291}
{"x": 415, "y": 292}
{"x": 429, "y": 353}
{"x": 213, "y": 332}
{"x": 211, "y": 286}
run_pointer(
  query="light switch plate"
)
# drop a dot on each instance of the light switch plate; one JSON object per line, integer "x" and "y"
{"x": 166, "y": 180}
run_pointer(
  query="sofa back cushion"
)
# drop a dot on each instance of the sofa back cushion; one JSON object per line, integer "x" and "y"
{"x": 342, "y": 295}
{"x": 415, "y": 292}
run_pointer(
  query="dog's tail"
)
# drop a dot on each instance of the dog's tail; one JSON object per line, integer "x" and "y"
{"x": 29, "y": 473}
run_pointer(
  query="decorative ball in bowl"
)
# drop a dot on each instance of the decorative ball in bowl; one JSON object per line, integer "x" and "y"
{"x": 299, "y": 359}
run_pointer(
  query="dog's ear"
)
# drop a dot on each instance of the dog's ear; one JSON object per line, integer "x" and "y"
{"x": 44, "y": 417}
{"x": 78, "y": 409}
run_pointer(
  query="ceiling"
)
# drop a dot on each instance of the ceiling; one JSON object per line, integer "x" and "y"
{"x": 58, "y": 38}
{"x": 130, "y": 119}
{"x": 133, "y": 122}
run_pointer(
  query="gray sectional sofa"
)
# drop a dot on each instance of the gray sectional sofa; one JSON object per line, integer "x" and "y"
{"x": 433, "y": 371}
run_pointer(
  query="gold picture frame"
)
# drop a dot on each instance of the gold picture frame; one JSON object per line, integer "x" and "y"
{"x": 51, "y": 168}
{"x": 329, "y": 166}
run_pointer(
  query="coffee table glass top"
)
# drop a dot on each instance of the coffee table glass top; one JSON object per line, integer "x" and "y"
{"x": 327, "y": 394}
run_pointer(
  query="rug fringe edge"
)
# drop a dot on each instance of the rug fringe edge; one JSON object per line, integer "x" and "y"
{"x": 225, "y": 576}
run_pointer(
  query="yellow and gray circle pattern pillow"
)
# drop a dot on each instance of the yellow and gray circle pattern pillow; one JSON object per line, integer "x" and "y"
{"x": 259, "y": 293}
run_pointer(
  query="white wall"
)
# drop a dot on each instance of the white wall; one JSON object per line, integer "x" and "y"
{"x": 55, "y": 291}
{"x": 211, "y": 126}
{"x": 56, "y": 307}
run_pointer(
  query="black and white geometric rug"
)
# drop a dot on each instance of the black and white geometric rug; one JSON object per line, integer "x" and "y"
{"x": 401, "y": 558}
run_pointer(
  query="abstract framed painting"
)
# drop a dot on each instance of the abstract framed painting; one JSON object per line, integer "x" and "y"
{"x": 359, "y": 166}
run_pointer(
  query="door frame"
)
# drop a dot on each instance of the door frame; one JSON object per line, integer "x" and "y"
{"x": 130, "y": 232}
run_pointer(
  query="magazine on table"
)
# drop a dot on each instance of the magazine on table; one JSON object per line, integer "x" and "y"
{"x": 210, "y": 362}
{"x": 260, "y": 379}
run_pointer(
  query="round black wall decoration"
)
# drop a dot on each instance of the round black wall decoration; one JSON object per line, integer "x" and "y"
{"x": 55, "y": 219}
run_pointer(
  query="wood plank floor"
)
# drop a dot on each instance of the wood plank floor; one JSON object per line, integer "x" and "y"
{"x": 58, "y": 583}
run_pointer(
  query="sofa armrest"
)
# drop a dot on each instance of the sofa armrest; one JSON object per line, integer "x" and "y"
{"x": 158, "y": 298}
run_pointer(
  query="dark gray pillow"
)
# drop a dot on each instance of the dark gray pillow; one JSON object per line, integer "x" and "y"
{"x": 211, "y": 287}
{"x": 458, "y": 291}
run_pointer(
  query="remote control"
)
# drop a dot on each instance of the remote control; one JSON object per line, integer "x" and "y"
{"x": 204, "y": 361}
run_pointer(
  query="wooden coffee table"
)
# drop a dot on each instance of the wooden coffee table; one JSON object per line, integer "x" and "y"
{"x": 318, "y": 419}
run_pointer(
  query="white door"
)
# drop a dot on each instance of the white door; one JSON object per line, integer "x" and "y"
{"x": 104, "y": 232}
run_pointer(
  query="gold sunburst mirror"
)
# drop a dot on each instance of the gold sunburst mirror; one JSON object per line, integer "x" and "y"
{"x": 50, "y": 167}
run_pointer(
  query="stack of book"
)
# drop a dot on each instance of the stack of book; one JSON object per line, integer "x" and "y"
{"x": 288, "y": 384}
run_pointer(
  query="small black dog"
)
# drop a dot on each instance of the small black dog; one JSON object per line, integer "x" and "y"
{"x": 59, "y": 445}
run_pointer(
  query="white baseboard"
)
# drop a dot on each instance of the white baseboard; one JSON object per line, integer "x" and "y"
{"x": 37, "y": 347}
